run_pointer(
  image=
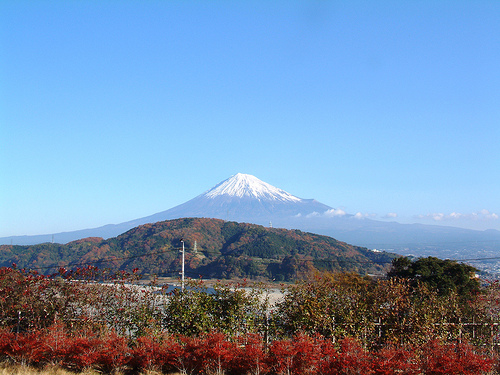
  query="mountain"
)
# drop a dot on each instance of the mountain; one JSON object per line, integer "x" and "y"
{"x": 245, "y": 198}
{"x": 214, "y": 248}
{"x": 242, "y": 198}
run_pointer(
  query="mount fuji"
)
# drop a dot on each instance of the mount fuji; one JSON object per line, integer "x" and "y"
{"x": 245, "y": 198}
{"x": 242, "y": 198}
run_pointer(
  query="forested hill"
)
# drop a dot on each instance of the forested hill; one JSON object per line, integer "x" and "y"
{"x": 214, "y": 249}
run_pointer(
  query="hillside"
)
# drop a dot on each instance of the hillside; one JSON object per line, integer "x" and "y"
{"x": 214, "y": 248}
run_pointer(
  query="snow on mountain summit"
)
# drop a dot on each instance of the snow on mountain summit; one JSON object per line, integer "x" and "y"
{"x": 244, "y": 185}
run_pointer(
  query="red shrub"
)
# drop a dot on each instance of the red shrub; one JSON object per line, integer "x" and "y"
{"x": 390, "y": 361}
{"x": 216, "y": 352}
{"x": 82, "y": 352}
{"x": 454, "y": 358}
{"x": 113, "y": 353}
{"x": 297, "y": 356}
{"x": 307, "y": 355}
{"x": 6, "y": 337}
{"x": 23, "y": 348}
{"x": 188, "y": 361}
{"x": 54, "y": 345}
{"x": 352, "y": 359}
{"x": 151, "y": 353}
{"x": 327, "y": 363}
{"x": 250, "y": 356}
{"x": 281, "y": 354}
{"x": 146, "y": 354}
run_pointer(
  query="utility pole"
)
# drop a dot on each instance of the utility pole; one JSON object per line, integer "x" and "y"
{"x": 182, "y": 270}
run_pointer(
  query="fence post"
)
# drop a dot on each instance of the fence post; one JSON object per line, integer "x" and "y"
{"x": 491, "y": 338}
{"x": 365, "y": 332}
{"x": 18, "y": 321}
{"x": 460, "y": 329}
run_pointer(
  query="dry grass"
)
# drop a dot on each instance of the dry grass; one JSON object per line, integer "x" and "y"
{"x": 10, "y": 369}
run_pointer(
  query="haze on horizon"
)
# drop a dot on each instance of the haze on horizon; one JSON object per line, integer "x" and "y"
{"x": 112, "y": 111}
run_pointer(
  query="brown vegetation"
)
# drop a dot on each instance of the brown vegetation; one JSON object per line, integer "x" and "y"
{"x": 338, "y": 323}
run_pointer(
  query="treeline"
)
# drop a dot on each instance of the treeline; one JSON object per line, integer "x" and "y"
{"x": 406, "y": 323}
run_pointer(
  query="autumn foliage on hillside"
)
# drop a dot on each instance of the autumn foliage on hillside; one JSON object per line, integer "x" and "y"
{"x": 331, "y": 324}
{"x": 224, "y": 250}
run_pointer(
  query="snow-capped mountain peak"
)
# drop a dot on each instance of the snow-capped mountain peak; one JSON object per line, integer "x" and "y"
{"x": 244, "y": 185}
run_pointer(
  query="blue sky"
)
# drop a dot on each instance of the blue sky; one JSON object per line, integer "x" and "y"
{"x": 115, "y": 110}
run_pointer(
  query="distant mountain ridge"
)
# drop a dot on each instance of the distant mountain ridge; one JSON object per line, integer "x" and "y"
{"x": 245, "y": 198}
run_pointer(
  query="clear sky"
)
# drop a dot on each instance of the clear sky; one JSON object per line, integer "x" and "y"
{"x": 115, "y": 110}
